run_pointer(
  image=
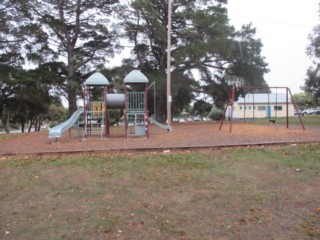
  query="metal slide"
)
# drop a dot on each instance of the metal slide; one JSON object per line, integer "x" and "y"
{"x": 169, "y": 128}
{"x": 56, "y": 132}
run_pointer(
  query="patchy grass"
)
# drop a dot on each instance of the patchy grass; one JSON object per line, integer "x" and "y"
{"x": 6, "y": 136}
{"x": 247, "y": 193}
{"x": 312, "y": 120}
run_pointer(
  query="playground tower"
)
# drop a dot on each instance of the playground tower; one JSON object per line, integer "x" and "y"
{"x": 97, "y": 102}
{"x": 136, "y": 108}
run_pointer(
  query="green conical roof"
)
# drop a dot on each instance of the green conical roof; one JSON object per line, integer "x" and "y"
{"x": 97, "y": 79}
{"x": 136, "y": 76}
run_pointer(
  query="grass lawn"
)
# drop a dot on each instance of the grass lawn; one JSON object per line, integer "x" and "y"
{"x": 245, "y": 193}
{"x": 8, "y": 136}
{"x": 312, "y": 120}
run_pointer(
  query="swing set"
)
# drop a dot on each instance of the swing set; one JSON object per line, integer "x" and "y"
{"x": 230, "y": 105}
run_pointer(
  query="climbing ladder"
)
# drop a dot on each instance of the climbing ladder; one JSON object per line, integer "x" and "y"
{"x": 94, "y": 124}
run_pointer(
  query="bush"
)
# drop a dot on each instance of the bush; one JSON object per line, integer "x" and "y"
{"x": 216, "y": 114}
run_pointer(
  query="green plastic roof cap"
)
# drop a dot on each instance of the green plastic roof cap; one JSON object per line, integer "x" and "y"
{"x": 136, "y": 76}
{"x": 97, "y": 79}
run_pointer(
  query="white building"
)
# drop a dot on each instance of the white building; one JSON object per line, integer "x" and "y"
{"x": 262, "y": 105}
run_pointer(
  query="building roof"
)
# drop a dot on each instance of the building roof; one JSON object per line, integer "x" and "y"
{"x": 264, "y": 98}
{"x": 97, "y": 79}
{"x": 136, "y": 76}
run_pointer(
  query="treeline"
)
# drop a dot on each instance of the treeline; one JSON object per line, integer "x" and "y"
{"x": 64, "y": 42}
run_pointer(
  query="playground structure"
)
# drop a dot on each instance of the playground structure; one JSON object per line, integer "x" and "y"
{"x": 231, "y": 102}
{"x": 98, "y": 101}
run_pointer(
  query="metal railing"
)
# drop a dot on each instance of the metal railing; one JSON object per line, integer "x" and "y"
{"x": 136, "y": 101}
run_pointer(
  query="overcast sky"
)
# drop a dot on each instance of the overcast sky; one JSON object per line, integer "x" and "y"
{"x": 283, "y": 27}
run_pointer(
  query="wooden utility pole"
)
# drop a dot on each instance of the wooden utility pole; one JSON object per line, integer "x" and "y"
{"x": 169, "y": 97}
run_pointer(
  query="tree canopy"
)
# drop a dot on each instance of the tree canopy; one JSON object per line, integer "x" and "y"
{"x": 64, "y": 41}
{"x": 312, "y": 82}
{"x": 205, "y": 48}
{"x": 303, "y": 100}
{"x": 80, "y": 33}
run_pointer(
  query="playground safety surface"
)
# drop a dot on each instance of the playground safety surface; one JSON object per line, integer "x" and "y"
{"x": 196, "y": 135}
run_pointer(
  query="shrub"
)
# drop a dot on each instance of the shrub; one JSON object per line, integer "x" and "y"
{"x": 216, "y": 114}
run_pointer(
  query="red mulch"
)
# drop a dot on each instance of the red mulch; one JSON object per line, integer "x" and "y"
{"x": 184, "y": 135}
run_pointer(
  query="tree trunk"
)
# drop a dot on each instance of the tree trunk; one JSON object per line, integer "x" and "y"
{"x": 40, "y": 122}
{"x": 72, "y": 96}
{"x": 72, "y": 81}
{"x": 6, "y": 126}
{"x": 36, "y": 123}
{"x": 31, "y": 124}
{"x": 22, "y": 126}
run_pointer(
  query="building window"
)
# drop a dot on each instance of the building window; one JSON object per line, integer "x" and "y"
{"x": 240, "y": 108}
{"x": 277, "y": 108}
{"x": 262, "y": 108}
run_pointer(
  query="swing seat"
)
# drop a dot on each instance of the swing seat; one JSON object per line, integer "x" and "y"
{"x": 273, "y": 121}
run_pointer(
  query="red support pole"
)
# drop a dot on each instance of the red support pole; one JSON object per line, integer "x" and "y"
{"x": 224, "y": 114}
{"x": 126, "y": 111}
{"x": 232, "y": 102}
{"x": 106, "y": 115}
{"x": 147, "y": 124}
{"x": 85, "y": 102}
{"x": 298, "y": 112}
{"x": 145, "y": 97}
{"x": 146, "y": 109}
{"x": 287, "y": 105}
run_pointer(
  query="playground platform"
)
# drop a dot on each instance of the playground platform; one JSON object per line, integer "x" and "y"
{"x": 199, "y": 135}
